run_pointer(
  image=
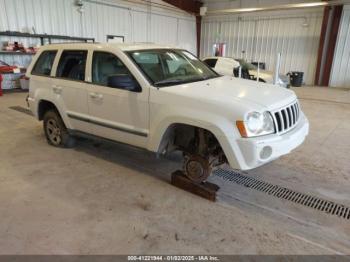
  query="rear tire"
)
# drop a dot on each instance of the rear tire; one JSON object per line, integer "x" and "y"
{"x": 55, "y": 131}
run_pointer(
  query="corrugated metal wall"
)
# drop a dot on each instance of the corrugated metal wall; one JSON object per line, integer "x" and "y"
{"x": 138, "y": 23}
{"x": 340, "y": 75}
{"x": 261, "y": 38}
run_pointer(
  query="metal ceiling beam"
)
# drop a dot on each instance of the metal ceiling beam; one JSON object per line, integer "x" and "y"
{"x": 190, "y": 6}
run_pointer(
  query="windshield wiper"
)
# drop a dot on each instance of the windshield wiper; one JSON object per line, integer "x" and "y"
{"x": 169, "y": 82}
{"x": 181, "y": 81}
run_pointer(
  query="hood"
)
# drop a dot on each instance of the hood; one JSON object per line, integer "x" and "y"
{"x": 226, "y": 89}
{"x": 268, "y": 76}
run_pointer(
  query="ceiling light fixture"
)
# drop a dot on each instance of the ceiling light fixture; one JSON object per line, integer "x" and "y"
{"x": 278, "y": 7}
{"x": 314, "y": 4}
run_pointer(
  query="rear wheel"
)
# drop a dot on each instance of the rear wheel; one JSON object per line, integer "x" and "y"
{"x": 55, "y": 131}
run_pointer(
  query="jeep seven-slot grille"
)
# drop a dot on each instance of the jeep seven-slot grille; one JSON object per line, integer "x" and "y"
{"x": 286, "y": 118}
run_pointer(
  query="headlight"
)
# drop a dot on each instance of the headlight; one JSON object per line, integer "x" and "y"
{"x": 256, "y": 124}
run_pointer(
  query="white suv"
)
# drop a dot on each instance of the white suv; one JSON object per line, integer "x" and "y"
{"x": 162, "y": 99}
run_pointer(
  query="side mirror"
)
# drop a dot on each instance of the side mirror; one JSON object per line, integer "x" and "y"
{"x": 124, "y": 81}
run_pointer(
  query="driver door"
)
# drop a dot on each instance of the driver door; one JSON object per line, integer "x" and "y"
{"x": 115, "y": 112}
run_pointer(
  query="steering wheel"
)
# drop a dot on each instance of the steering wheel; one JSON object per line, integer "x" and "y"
{"x": 181, "y": 71}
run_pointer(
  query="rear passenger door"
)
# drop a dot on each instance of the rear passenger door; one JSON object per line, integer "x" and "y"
{"x": 116, "y": 112}
{"x": 69, "y": 88}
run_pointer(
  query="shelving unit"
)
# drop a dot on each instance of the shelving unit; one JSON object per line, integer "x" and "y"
{"x": 42, "y": 37}
{"x": 24, "y": 60}
{"x": 14, "y": 53}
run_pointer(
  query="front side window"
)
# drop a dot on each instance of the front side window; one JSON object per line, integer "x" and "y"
{"x": 72, "y": 65}
{"x": 108, "y": 70}
{"x": 44, "y": 64}
{"x": 106, "y": 65}
{"x": 165, "y": 67}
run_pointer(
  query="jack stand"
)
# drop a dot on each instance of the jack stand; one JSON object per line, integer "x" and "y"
{"x": 206, "y": 190}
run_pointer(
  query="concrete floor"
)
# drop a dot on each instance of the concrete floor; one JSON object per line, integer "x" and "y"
{"x": 113, "y": 199}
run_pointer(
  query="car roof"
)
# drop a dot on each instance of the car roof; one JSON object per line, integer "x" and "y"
{"x": 121, "y": 46}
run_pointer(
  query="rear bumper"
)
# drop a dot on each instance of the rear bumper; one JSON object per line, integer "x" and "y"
{"x": 254, "y": 152}
{"x": 33, "y": 106}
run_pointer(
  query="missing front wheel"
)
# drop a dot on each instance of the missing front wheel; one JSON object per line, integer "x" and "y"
{"x": 197, "y": 168}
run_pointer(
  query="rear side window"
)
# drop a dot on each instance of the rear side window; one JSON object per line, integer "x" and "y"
{"x": 44, "y": 63}
{"x": 72, "y": 65}
{"x": 211, "y": 62}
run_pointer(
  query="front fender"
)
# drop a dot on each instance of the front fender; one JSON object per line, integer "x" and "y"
{"x": 224, "y": 131}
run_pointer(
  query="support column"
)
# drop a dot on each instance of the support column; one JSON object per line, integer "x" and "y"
{"x": 328, "y": 40}
{"x": 199, "y": 33}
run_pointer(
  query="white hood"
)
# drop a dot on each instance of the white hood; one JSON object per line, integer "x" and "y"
{"x": 225, "y": 89}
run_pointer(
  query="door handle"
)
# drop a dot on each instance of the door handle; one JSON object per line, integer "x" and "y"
{"x": 57, "y": 89}
{"x": 96, "y": 96}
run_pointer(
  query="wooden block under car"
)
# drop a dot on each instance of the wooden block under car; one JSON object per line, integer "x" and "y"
{"x": 206, "y": 190}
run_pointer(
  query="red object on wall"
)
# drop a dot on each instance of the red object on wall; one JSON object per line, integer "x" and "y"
{"x": 0, "y": 85}
{"x": 7, "y": 69}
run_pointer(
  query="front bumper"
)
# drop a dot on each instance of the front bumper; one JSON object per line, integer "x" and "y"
{"x": 254, "y": 152}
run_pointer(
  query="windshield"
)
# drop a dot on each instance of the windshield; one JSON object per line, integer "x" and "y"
{"x": 165, "y": 67}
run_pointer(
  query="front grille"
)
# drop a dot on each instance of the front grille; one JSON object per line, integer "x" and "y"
{"x": 286, "y": 118}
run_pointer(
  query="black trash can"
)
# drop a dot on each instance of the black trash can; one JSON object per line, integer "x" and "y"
{"x": 296, "y": 78}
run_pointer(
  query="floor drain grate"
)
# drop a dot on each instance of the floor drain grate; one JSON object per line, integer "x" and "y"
{"x": 285, "y": 193}
{"x": 22, "y": 110}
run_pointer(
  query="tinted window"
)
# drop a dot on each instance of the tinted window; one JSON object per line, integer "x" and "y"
{"x": 72, "y": 65}
{"x": 44, "y": 64}
{"x": 106, "y": 65}
{"x": 211, "y": 62}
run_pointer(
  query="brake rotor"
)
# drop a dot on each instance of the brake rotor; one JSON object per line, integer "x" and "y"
{"x": 197, "y": 168}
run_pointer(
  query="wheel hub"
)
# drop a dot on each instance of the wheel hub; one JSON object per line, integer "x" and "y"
{"x": 197, "y": 168}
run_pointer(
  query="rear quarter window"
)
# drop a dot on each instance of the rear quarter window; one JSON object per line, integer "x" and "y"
{"x": 43, "y": 65}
